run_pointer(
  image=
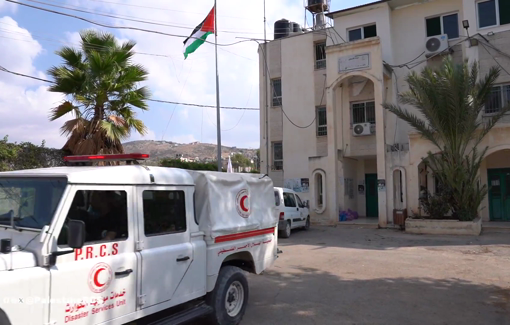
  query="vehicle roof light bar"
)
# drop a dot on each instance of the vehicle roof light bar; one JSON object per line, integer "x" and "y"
{"x": 112, "y": 157}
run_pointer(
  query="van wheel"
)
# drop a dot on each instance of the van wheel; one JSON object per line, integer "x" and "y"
{"x": 285, "y": 233}
{"x": 229, "y": 297}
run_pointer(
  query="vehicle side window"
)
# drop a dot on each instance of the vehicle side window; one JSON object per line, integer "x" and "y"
{"x": 277, "y": 198}
{"x": 105, "y": 214}
{"x": 299, "y": 202}
{"x": 164, "y": 212}
{"x": 289, "y": 200}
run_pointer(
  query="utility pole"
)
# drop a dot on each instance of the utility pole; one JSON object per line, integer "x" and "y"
{"x": 266, "y": 81}
{"x": 218, "y": 118}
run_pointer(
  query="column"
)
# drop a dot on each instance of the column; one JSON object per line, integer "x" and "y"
{"x": 381, "y": 152}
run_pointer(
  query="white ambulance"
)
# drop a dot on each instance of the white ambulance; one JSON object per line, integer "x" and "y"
{"x": 85, "y": 245}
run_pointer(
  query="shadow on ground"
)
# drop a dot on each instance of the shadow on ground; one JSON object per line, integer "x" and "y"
{"x": 384, "y": 239}
{"x": 310, "y": 296}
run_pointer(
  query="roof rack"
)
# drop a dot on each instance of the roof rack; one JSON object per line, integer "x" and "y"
{"x": 129, "y": 158}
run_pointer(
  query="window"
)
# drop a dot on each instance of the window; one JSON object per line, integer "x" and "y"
{"x": 277, "y": 156}
{"x": 320, "y": 55}
{"x": 289, "y": 200}
{"x": 319, "y": 190}
{"x": 322, "y": 123}
{"x": 498, "y": 99}
{"x": 363, "y": 112}
{"x": 445, "y": 24}
{"x": 29, "y": 202}
{"x": 276, "y": 89}
{"x": 276, "y": 198}
{"x": 164, "y": 212}
{"x": 362, "y": 33}
{"x": 493, "y": 13}
{"x": 299, "y": 202}
{"x": 105, "y": 214}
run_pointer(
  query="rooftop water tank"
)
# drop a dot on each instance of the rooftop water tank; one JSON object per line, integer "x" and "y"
{"x": 282, "y": 28}
{"x": 318, "y": 5}
{"x": 296, "y": 28}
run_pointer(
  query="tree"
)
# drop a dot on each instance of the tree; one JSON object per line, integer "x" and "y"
{"x": 177, "y": 163}
{"x": 101, "y": 84}
{"x": 239, "y": 160}
{"x": 8, "y": 154}
{"x": 450, "y": 101}
{"x": 25, "y": 155}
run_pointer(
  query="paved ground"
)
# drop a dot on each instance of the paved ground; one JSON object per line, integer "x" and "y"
{"x": 368, "y": 276}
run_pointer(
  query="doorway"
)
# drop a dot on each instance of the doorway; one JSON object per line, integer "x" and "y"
{"x": 371, "y": 199}
{"x": 499, "y": 194}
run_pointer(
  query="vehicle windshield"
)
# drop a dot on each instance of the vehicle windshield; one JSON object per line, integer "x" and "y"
{"x": 29, "y": 202}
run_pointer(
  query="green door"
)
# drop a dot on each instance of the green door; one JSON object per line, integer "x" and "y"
{"x": 372, "y": 204}
{"x": 499, "y": 194}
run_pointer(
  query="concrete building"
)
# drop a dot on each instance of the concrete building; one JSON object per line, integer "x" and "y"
{"x": 328, "y": 135}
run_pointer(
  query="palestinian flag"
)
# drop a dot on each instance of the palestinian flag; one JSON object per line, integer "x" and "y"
{"x": 199, "y": 34}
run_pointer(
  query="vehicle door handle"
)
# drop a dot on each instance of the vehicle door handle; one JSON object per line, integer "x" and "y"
{"x": 182, "y": 259}
{"x": 126, "y": 272}
{"x": 297, "y": 209}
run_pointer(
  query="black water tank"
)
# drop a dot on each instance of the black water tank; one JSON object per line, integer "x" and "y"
{"x": 282, "y": 28}
{"x": 296, "y": 28}
{"x": 317, "y": 2}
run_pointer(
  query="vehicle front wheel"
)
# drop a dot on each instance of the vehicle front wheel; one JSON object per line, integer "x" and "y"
{"x": 285, "y": 233}
{"x": 229, "y": 297}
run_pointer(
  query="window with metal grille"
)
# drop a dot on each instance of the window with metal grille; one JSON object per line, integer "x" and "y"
{"x": 276, "y": 90}
{"x": 363, "y": 112}
{"x": 320, "y": 55}
{"x": 277, "y": 156}
{"x": 362, "y": 32}
{"x": 499, "y": 98}
{"x": 322, "y": 122}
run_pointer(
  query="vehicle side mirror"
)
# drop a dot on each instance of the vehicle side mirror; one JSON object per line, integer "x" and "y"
{"x": 76, "y": 234}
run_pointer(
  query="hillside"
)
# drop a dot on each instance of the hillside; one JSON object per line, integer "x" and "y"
{"x": 166, "y": 149}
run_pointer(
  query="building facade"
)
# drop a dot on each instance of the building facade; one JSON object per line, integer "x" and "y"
{"x": 327, "y": 135}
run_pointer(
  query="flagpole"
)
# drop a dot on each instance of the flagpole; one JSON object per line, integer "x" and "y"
{"x": 218, "y": 119}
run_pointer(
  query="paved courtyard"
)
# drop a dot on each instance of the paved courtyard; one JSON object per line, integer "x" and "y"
{"x": 351, "y": 275}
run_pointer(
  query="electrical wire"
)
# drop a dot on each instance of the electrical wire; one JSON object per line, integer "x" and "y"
{"x": 494, "y": 58}
{"x": 151, "y": 100}
{"x": 128, "y": 18}
{"x": 119, "y": 27}
{"x": 175, "y": 105}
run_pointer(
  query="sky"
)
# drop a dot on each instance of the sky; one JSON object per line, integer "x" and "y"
{"x": 29, "y": 38}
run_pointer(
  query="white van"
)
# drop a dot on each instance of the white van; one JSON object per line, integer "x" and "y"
{"x": 292, "y": 212}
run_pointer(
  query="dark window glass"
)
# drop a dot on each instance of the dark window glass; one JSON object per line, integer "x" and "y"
{"x": 358, "y": 113}
{"x": 277, "y": 92}
{"x": 370, "y": 112}
{"x": 322, "y": 122}
{"x": 370, "y": 31}
{"x": 355, "y": 34}
{"x": 451, "y": 26}
{"x": 164, "y": 212}
{"x": 487, "y": 13}
{"x": 105, "y": 214}
{"x": 289, "y": 200}
{"x": 299, "y": 202}
{"x": 493, "y": 104}
{"x": 433, "y": 26}
{"x": 320, "y": 56}
{"x": 276, "y": 198}
{"x": 504, "y": 12}
{"x": 277, "y": 156}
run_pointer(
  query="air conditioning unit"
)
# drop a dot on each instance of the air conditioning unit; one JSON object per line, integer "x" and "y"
{"x": 362, "y": 129}
{"x": 436, "y": 44}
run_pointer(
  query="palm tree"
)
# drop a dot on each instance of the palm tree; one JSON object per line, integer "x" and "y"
{"x": 101, "y": 85}
{"x": 450, "y": 102}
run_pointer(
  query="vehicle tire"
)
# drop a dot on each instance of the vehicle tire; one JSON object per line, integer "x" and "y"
{"x": 3, "y": 318}
{"x": 229, "y": 297}
{"x": 307, "y": 224}
{"x": 285, "y": 233}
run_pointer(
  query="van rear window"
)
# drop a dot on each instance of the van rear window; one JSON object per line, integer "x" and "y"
{"x": 276, "y": 198}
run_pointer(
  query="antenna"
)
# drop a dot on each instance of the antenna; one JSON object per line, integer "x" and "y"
{"x": 265, "y": 91}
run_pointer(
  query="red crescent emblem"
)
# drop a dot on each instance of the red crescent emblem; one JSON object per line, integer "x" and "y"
{"x": 243, "y": 207}
{"x": 96, "y": 275}
{"x": 100, "y": 277}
